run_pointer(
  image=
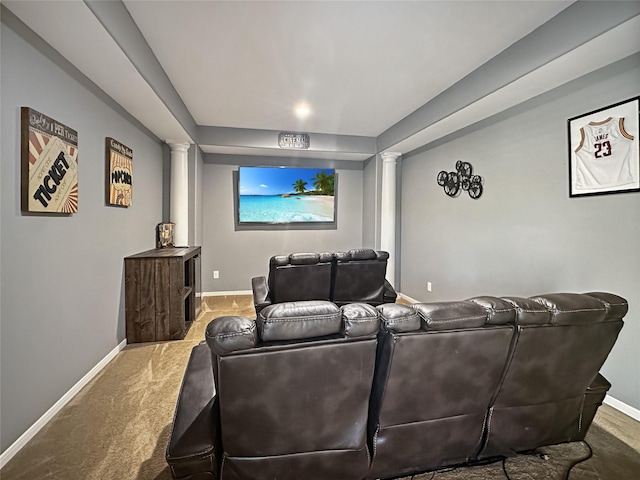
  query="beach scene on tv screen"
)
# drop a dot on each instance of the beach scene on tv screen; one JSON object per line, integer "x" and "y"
{"x": 286, "y": 195}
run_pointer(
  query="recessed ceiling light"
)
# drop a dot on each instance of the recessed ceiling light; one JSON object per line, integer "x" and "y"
{"x": 302, "y": 110}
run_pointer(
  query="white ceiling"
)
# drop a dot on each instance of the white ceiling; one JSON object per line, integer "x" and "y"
{"x": 362, "y": 66}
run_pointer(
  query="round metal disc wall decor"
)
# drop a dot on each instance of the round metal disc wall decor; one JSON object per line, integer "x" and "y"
{"x": 462, "y": 179}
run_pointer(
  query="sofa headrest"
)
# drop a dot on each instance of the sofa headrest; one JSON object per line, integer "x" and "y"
{"x": 279, "y": 260}
{"x": 362, "y": 254}
{"x": 617, "y": 307}
{"x": 451, "y": 315}
{"x": 229, "y": 334}
{"x": 291, "y": 321}
{"x": 304, "y": 258}
{"x": 301, "y": 259}
{"x": 499, "y": 311}
{"x": 325, "y": 257}
{"x": 572, "y": 308}
{"x": 399, "y": 318}
{"x": 528, "y": 312}
{"x": 358, "y": 254}
{"x": 382, "y": 255}
{"x": 298, "y": 320}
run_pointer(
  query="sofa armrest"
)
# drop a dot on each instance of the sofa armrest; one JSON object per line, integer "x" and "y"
{"x": 225, "y": 335}
{"x": 260, "y": 293}
{"x": 389, "y": 295}
{"x": 194, "y": 445}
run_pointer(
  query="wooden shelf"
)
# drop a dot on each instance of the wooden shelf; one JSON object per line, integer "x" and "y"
{"x": 161, "y": 296}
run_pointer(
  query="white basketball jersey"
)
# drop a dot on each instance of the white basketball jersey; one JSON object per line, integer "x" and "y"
{"x": 603, "y": 158}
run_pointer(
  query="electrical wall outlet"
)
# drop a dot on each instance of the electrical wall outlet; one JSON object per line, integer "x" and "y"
{"x": 216, "y": 274}
{"x": 428, "y": 286}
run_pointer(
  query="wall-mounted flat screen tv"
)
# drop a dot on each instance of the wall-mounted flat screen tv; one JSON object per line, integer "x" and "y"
{"x": 280, "y": 195}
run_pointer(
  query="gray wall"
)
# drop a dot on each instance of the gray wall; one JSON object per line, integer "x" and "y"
{"x": 62, "y": 308}
{"x": 241, "y": 255}
{"x": 525, "y": 236}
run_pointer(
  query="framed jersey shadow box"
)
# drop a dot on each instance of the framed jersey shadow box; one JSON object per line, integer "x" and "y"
{"x": 604, "y": 150}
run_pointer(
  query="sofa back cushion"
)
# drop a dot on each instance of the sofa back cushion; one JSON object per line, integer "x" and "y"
{"x": 294, "y": 394}
{"x": 359, "y": 276}
{"x": 562, "y": 341}
{"x": 564, "y": 354}
{"x": 439, "y": 366}
{"x": 288, "y": 411}
{"x": 300, "y": 276}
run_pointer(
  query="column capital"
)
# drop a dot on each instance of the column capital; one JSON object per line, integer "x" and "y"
{"x": 390, "y": 156}
{"x": 177, "y": 146}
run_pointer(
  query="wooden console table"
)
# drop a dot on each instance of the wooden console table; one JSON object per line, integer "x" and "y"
{"x": 161, "y": 293}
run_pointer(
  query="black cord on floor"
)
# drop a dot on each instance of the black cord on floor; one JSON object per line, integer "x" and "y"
{"x": 580, "y": 461}
{"x": 545, "y": 457}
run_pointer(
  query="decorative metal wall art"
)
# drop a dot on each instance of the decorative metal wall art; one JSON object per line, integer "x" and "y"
{"x": 461, "y": 179}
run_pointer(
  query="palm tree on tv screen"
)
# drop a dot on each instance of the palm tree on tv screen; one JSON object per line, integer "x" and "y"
{"x": 300, "y": 186}
{"x": 324, "y": 183}
{"x": 331, "y": 188}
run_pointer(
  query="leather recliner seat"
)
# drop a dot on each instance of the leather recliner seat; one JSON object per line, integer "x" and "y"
{"x": 439, "y": 366}
{"x": 560, "y": 344}
{"x": 359, "y": 276}
{"x": 294, "y": 277}
{"x": 293, "y": 390}
{"x": 342, "y": 277}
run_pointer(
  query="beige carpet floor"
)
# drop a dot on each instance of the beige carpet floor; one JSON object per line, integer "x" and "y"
{"x": 118, "y": 426}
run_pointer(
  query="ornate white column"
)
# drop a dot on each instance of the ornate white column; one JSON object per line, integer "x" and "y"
{"x": 179, "y": 193}
{"x": 388, "y": 211}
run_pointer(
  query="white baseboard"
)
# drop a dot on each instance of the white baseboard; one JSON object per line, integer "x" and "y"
{"x": 48, "y": 415}
{"x": 408, "y": 298}
{"x": 249, "y": 292}
{"x": 623, "y": 407}
{"x": 231, "y": 292}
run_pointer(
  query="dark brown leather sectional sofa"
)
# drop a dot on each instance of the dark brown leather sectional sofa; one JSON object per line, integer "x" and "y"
{"x": 310, "y": 390}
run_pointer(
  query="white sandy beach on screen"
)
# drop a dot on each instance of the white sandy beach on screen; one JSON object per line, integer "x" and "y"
{"x": 322, "y": 205}
{"x": 320, "y": 198}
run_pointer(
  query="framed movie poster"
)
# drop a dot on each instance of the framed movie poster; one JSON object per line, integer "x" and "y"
{"x": 603, "y": 150}
{"x": 119, "y": 174}
{"x": 49, "y": 164}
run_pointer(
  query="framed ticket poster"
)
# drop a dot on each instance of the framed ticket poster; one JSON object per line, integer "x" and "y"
{"x": 119, "y": 174}
{"x": 49, "y": 164}
{"x": 603, "y": 150}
